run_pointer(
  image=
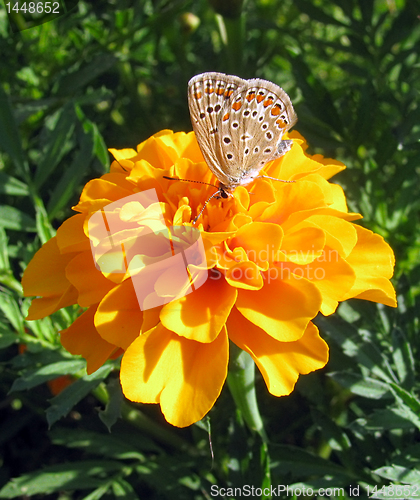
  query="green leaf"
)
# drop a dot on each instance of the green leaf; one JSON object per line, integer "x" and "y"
{"x": 69, "y": 476}
{"x": 122, "y": 489}
{"x": 315, "y": 13}
{"x": 10, "y": 308}
{"x": 402, "y": 355}
{"x": 7, "y": 337}
{"x": 33, "y": 377}
{"x": 9, "y": 133}
{"x": 399, "y": 474}
{"x": 297, "y": 462}
{"x": 116, "y": 446}
{"x": 71, "y": 395}
{"x": 112, "y": 411}
{"x": 390, "y": 418}
{"x": 12, "y": 186}
{"x": 13, "y": 218}
{"x": 88, "y": 72}
{"x": 362, "y": 386}
{"x": 57, "y": 140}
{"x": 68, "y": 183}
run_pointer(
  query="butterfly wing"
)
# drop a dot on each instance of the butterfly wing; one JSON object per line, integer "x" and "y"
{"x": 251, "y": 127}
{"x": 208, "y": 94}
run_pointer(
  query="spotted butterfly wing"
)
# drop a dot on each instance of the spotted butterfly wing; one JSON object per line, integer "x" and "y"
{"x": 208, "y": 94}
{"x": 239, "y": 124}
{"x": 250, "y": 131}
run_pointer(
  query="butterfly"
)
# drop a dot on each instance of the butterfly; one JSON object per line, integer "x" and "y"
{"x": 239, "y": 125}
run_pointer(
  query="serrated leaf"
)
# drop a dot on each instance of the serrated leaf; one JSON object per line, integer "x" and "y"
{"x": 13, "y": 218}
{"x": 399, "y": 474}
{"x": 70, "y": 476}
{"x": 34, "y": 377}
{"x": 390, "y": 418}
{"x": 71, "y": 395}
{"x": 402, "y": 355}
{"x": 362, "y": 386}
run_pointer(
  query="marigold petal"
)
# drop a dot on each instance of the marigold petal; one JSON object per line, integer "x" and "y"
{"x": 304, "y": 245}
{"x": 118, "y": 319}
{"x": 102, "y": 191}
{"x": 283, "y": 307}
{"x": 331, "y": 274}
{"x": 261, "y": 241}
{"x": 122, "y": 154}
{"x": 184, "y": 376}
{"x": 45, "y": 276}
{"x": 201, "y": 315}
{"x": 245, "y": 275}
{"x": 71, "y": 236}
{"x": 372, "y": 260}
{"x": 87, "y": 279}
{"x": 280, "y": 363}
{"x": 82, "y": 338}
{"x": 340, "y": 234}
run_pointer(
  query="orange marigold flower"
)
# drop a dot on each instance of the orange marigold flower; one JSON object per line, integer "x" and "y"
{"x": 276, "y": 255}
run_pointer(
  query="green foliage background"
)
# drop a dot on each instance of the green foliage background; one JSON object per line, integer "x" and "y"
{"x": 111, "y": 73}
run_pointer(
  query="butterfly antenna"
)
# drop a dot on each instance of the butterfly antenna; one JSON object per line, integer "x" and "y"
{"x": 214, "y": 195}
{"x": 272, "y": 178}
{"x": 188, "y": 180}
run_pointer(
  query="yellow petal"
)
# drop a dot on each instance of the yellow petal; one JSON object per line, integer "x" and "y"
{"x": 283, "y": 307}
{"x": 119, "y": 318}
{"x": 201, "y": 315}
{"x": 280, "y": 363}
{"x": 184, "y": 376}
{"x": 372, "y": 260}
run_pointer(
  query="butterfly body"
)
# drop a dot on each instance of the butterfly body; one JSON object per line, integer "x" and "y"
{"x": 239, "y": 125}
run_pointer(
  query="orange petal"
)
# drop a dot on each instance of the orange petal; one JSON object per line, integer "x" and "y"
{"x": 87, "y": 279}
{"x": 184, "y": 376}
{"x": 201, "y": 315}
{"x": 280, "y": 363}
{"x": 283, "y": 307}
{"x": 261, "y": 241}
{"x": 331, "y": 274}
{"x": 245, "y": 275}
{"x": 45, "y": 276}
{"x": 303, "y": 245}
{"x": 82, "y": 338}
{"x": 372, "y": 260}
{"x": 118, "y": 319}
{"x": 71, "y": 237}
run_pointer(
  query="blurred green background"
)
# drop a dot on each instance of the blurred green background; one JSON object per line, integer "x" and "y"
{"x": 110, "y": 74}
